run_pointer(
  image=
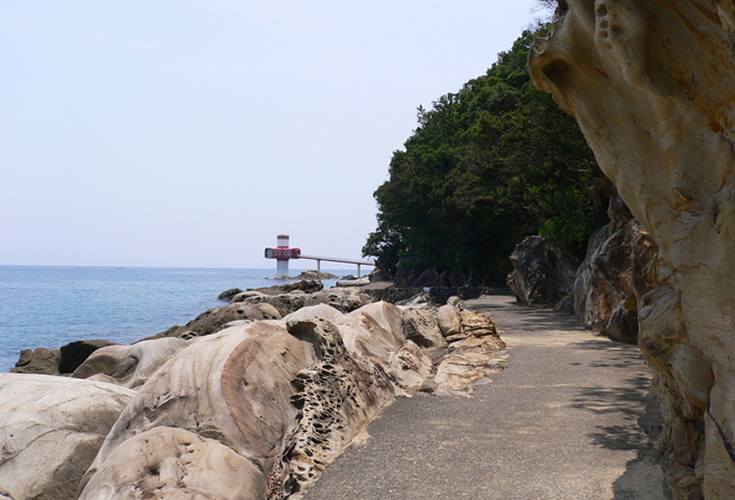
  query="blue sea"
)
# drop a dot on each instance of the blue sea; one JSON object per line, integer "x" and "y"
{"x": 52, "y": 306}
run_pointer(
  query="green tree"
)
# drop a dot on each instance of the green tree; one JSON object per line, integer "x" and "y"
{"x": 486, "y": 166}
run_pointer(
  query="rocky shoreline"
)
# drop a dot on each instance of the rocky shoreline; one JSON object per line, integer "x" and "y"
{"x": 251, "y": 399}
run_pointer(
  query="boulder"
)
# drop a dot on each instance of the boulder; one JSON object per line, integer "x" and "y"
{"x": 285, "y": 303}
{"x": 129, "y": 365}
{"x": 378, "y": 276}
{"x": 426, "y": 279}
{"x": 352, "y": 281}
{"x": 652, "y": 85}
{"x": 604, "y": 297}
{"x": 251, "y": 412}
{"x": 408, "y": 270}
{"x": 307, "y": 286}
{"x": 324, "y": 311}
{"x": 449, "y": 320}
{"x": 342, "y": 299}
{"x": 316, "y": 275}
{"x": 232, "y": 387}
{"x": 171, "y": 463}
{"x": 41, "y": 360}
{"x": 73, "y": 354}
{"x": 421, "y": 326}
{"x": 57, "y": 361}
{"x": 51, "y": 429}
{"x": 373, "y": 330}
{"x": 216, "y": 318}
{"x": 475, "y": 351}
{"x": 227, "y": 295}
{"x": 542, "y": 275}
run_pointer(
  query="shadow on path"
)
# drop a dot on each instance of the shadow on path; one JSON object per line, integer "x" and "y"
{"x": 564, "y": 421}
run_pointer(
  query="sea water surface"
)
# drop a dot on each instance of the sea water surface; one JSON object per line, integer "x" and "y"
{"x": 51, "y": 306}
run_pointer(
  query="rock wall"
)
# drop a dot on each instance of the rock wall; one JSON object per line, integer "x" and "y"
{"x": 604, "y": 296}
{"x": 652, "y": 85}
{"x": 542, "y": 275}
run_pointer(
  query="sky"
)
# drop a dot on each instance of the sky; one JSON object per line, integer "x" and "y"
{"x": 191, "y": 133}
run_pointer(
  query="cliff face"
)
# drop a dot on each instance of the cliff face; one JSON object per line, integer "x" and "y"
{"x": 652, "y": 85}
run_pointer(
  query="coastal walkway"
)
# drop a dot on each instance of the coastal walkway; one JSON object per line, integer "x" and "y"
{"x": 570, "y": 418}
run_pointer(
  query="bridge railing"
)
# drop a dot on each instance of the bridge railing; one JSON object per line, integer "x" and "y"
{"x": 319, "y": 260}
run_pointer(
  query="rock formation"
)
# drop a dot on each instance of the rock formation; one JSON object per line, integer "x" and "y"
{"x": 224, "y": 401}
{"x": 215, "y": 319}
{"x": 39, "y": 360}
{"x": 50, "y": 431}
{"x": 316, "y": 275}
{"x": 542, "y": 275}
{"x": 342, "y": 299}
{"x": 258, "y": 410}
{"x": 239, "y": 403}
{"x": 129, "y": 365}
{"x": 604, "y": 295}
{"x": 652, "y": 85}
{"x": 64, "y": 360}
{"x": 324, "y": 311}
{"x": 475, "y": 349}
{"x": 306, "y": 286}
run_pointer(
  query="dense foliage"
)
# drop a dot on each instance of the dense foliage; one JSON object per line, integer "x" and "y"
{"x": 486, "y": 166}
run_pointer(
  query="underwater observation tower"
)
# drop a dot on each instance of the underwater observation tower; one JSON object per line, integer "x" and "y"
{"x": 282, "y": 253}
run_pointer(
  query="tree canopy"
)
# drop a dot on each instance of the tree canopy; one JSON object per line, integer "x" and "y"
{"x": 486, "y": 166}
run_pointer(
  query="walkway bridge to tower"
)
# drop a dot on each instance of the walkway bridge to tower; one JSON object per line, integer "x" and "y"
{"x": 319, "y": 260}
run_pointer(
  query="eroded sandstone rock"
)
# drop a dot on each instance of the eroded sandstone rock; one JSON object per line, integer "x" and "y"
{"x": 129, "y": 365}
{"x": 342, "y": 299}
{"x": 475, "y": 350}
{"x": 652, "y": 85}
{"x": 215, "y": 319}
{"x": 255, "y": 411}
{"x": 336, "y": 397}
{"x": 306, "y": 286}
{"x": 50, "y": 431}
{"x": 232, "y": 387}
{"x": 324, "y": 311}
{"x": 542, "y": 275}
{"x": 172, "y": 463}
{"x": 40, "y": 360}
{"x": 604, "y": 295}
{"x": 74, "y": 353}
{"x": 421, "y": 326}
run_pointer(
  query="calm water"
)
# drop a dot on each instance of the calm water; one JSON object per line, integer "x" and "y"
{"x": 52, "y": 306}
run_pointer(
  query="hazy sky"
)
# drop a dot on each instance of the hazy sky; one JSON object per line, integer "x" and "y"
{"x": 191, "y": 133}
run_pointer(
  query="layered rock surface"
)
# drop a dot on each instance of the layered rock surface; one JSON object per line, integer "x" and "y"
{"x": 50, "y": 431}
{"x": 239, "y": 403}
{"x": 129, "y": 365}
{"x": 652, "y": 85}
{"x": 542, "y": 275}
{"x": 259, "y": 409}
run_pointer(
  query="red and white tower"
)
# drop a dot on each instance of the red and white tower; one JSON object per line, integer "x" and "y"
{"x": 282, "y": 253}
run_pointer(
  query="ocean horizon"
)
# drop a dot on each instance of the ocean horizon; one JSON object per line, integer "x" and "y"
{"x": 50, "y": 306}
